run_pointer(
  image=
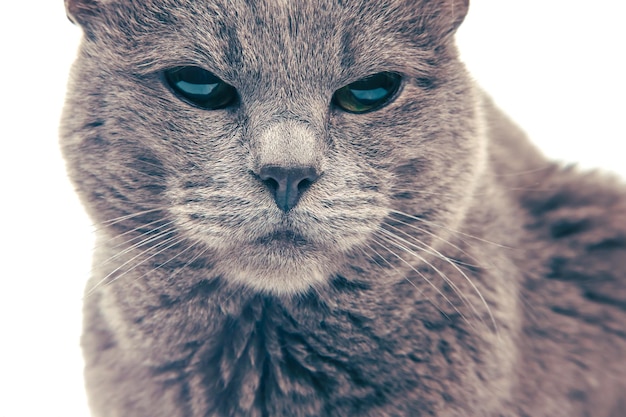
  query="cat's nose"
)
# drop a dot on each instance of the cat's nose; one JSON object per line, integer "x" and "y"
{"x": 287, "y": 184}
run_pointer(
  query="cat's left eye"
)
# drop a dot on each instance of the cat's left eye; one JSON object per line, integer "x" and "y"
{"x": 369, "y": 93}
{"x": 200, "y": 87}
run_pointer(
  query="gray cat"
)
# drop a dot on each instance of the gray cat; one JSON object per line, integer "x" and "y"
{"x": 307, "y": 208}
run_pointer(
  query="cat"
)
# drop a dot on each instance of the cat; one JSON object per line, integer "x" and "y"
{"x": 308, "y": 208}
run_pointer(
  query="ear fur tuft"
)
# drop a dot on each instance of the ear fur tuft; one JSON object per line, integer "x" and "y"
{"x": 433, "y": 21}
{"x": 81, "y": 11}
{"x": 459, "y": 11}
{"x": 452, "y": 14}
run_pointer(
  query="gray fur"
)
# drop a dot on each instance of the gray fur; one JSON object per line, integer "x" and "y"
{"x": 440, "y": 266}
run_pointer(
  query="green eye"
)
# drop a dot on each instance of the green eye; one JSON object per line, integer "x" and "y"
{"x": 369, "y": 93}
{"x": 200, "y": 87}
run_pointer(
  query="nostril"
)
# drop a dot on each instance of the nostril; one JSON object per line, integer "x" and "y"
{"x": 271, "y": 183}
{"x": 305, "y": 184}
{"x": 287, "y": 184}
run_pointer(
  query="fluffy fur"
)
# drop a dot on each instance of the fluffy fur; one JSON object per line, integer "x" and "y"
{"x": 439, "y": 266}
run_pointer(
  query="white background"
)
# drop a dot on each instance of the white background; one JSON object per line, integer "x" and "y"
{"x": 556, "y": 66}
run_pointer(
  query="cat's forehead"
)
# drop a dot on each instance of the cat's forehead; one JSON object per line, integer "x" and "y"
{"x": 274, "y": 32}
{"x": 316, "y": 37}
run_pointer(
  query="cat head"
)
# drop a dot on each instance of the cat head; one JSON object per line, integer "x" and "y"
{"x": 276, "y": 139}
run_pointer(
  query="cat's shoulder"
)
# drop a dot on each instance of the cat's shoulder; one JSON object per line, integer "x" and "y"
{"x": 574, "y": 291}
{"x": 582, "y": 211}
{"x": 577, "y": 226}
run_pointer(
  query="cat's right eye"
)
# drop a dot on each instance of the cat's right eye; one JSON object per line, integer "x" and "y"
{"x": 200, "y": 87}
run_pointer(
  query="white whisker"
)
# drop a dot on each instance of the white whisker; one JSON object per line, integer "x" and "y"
{"x": 450, "y": 230}
{"x": 173, "y": 258}
{"x": 144, "y": 242}
{"x": 405, "y": 277}
{"x": 176, "y": 242}
{"x": 130, "y": 216}
{"x": 450, "y": 282}
{"x": 103, "y": 280}
{"x": 396, "y": 189}
{"x": 423, "y": 276}
{"x": 422, "y": 230}
{"x": 146, "y": 233}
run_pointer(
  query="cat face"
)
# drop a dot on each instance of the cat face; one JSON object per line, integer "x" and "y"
{"x": 272, "y": 145}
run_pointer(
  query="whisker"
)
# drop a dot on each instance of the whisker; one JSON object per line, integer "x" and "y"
{"x": 449, "y": 229}
{"x": 427, "y": 298}
{"x": 526, "y": 172}
{"x": 395, "y": 189}
{"x": 454, "y": 264}
{"x": 173, "y": 258}
{"x": 130, "y": 216}
{"x": 99, "y": 283}
{"x": 478, "y": 264}
{"x": 419, "y": 229}
{"x": 448, "y": 280}
{"x": 176, "y": 242}
{"x": 137, "y": 245}
{"x": 391, "y": 236}
{"x": 189, "y": 262}
{"x": 151, "y": 231}
{"x": 423, "y": 276}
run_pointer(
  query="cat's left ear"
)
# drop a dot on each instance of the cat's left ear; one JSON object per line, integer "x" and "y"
{"x": 82, "y": 12}
{"x": 433, "y": 20}
{"x": 459, "y": 11}
{"x": 452, "y": 14}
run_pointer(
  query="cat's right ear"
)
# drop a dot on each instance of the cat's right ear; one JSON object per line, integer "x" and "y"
{"x": 82, "y": 12}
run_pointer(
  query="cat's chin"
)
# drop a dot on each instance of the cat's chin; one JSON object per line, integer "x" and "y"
{"x": 279, "y": 264}
{"x": 275, "y": 283}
